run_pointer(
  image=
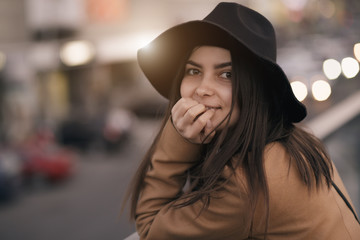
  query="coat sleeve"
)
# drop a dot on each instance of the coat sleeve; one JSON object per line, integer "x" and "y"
{"x": 225, "y": 218}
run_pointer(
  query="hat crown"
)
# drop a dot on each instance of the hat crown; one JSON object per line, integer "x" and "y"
{"x": 247, "y": 26}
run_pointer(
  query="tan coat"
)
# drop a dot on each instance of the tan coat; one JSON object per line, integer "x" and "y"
{"x": 295, "y": 213}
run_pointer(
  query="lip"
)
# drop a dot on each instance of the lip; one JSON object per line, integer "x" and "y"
{"x": 211, "y": 107}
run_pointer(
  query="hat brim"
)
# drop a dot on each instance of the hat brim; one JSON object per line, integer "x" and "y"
{"x": 161, "y": 58}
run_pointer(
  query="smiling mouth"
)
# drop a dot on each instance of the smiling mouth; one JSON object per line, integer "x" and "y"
{"x": 207, "y": 108}
{"x": 215, "y": 108}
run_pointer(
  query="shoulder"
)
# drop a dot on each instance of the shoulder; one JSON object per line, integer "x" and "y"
{"x": 277, "y": 161}
{"x": 281, "y": 170}
{"x": 274, "y": 150}
{"x": 283, "y": 177}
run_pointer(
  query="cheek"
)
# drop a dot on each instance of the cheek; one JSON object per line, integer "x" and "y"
{"x": 186, "y": 88}
{"x": 226, "y": 94}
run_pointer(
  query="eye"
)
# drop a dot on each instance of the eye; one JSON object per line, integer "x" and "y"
{"x": 192, "y": 71}
{"x": 226, "y": 75}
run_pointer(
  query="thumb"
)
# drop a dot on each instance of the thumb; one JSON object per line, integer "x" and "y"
{"x": 208, "y": 131}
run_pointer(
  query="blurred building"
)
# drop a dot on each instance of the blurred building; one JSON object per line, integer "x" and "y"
{"x": 64, "y": 59}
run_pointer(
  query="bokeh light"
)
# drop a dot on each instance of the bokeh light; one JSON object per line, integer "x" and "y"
{"x": 295, "y": 5}
{"x": 321, "y": 90}
{"x": 350, "y": 67}
{"x": 76, "y": 53}
{"x": 331, "y": 68}
{"x": 299, "y": 89}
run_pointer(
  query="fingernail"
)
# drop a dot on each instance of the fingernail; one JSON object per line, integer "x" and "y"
{"x": 208, "y": 124}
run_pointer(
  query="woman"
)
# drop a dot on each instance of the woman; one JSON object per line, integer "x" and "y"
{"x": 229, "y": 162}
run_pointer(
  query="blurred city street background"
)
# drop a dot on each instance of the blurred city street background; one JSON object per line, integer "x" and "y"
{"x": 77, "y": 114}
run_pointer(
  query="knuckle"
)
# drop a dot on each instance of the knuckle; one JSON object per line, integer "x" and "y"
{"x": 201, "y": 121}
{"x": 186, "y": 134}
{"x": 184, "y": 102}
{"x": 191, "y": 113}
{"x": 179, "y": 125}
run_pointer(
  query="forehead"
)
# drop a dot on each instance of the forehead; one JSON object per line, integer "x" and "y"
{"x": 210, "y": 53}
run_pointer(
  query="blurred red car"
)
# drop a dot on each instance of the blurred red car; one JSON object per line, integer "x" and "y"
{"x": 44, "y": 158}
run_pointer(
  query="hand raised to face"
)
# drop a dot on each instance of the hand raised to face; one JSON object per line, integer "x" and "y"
{"x": 193, "y": 120}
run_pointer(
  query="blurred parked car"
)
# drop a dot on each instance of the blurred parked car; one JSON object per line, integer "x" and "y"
{"x": 44, "y": 159}
{"x": 10, "y": 174}
{"x": 117, "y": 128}
{"x": 76, "y": 133}
{"x": 108, "y": 130}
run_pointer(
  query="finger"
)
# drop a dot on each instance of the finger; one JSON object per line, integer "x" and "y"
{"x": 181, "y": 107}
{"x": 204, "y": 124}
{"x": 209, "y": 132}
{"x": 193, "y": 132}
{"x": 185, "y": 123}
{"x": 194, "y": 112}
{"x": 178, "y": 111}
{"x": 208, "y": 127}
{"x": 184, "y": 104}
{"x": 200, "y": 123}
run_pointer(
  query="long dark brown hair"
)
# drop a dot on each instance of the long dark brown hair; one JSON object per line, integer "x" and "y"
{"x": 262, "y": 120}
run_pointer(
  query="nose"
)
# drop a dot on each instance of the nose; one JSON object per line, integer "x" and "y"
{"x": 205, "y": 87}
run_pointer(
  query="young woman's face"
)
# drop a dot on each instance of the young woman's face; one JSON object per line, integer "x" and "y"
{"x": 207, "y": 80}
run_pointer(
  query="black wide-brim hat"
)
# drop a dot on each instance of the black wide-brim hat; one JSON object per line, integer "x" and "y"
{"x": 228, "y": 24}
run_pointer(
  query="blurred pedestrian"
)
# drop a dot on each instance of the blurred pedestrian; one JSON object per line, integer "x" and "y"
{"x": 229, "y": 161}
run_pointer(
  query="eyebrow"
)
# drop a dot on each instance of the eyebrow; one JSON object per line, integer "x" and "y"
{"x": 222, "y": 65}
{"x": 217, "y": 66}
